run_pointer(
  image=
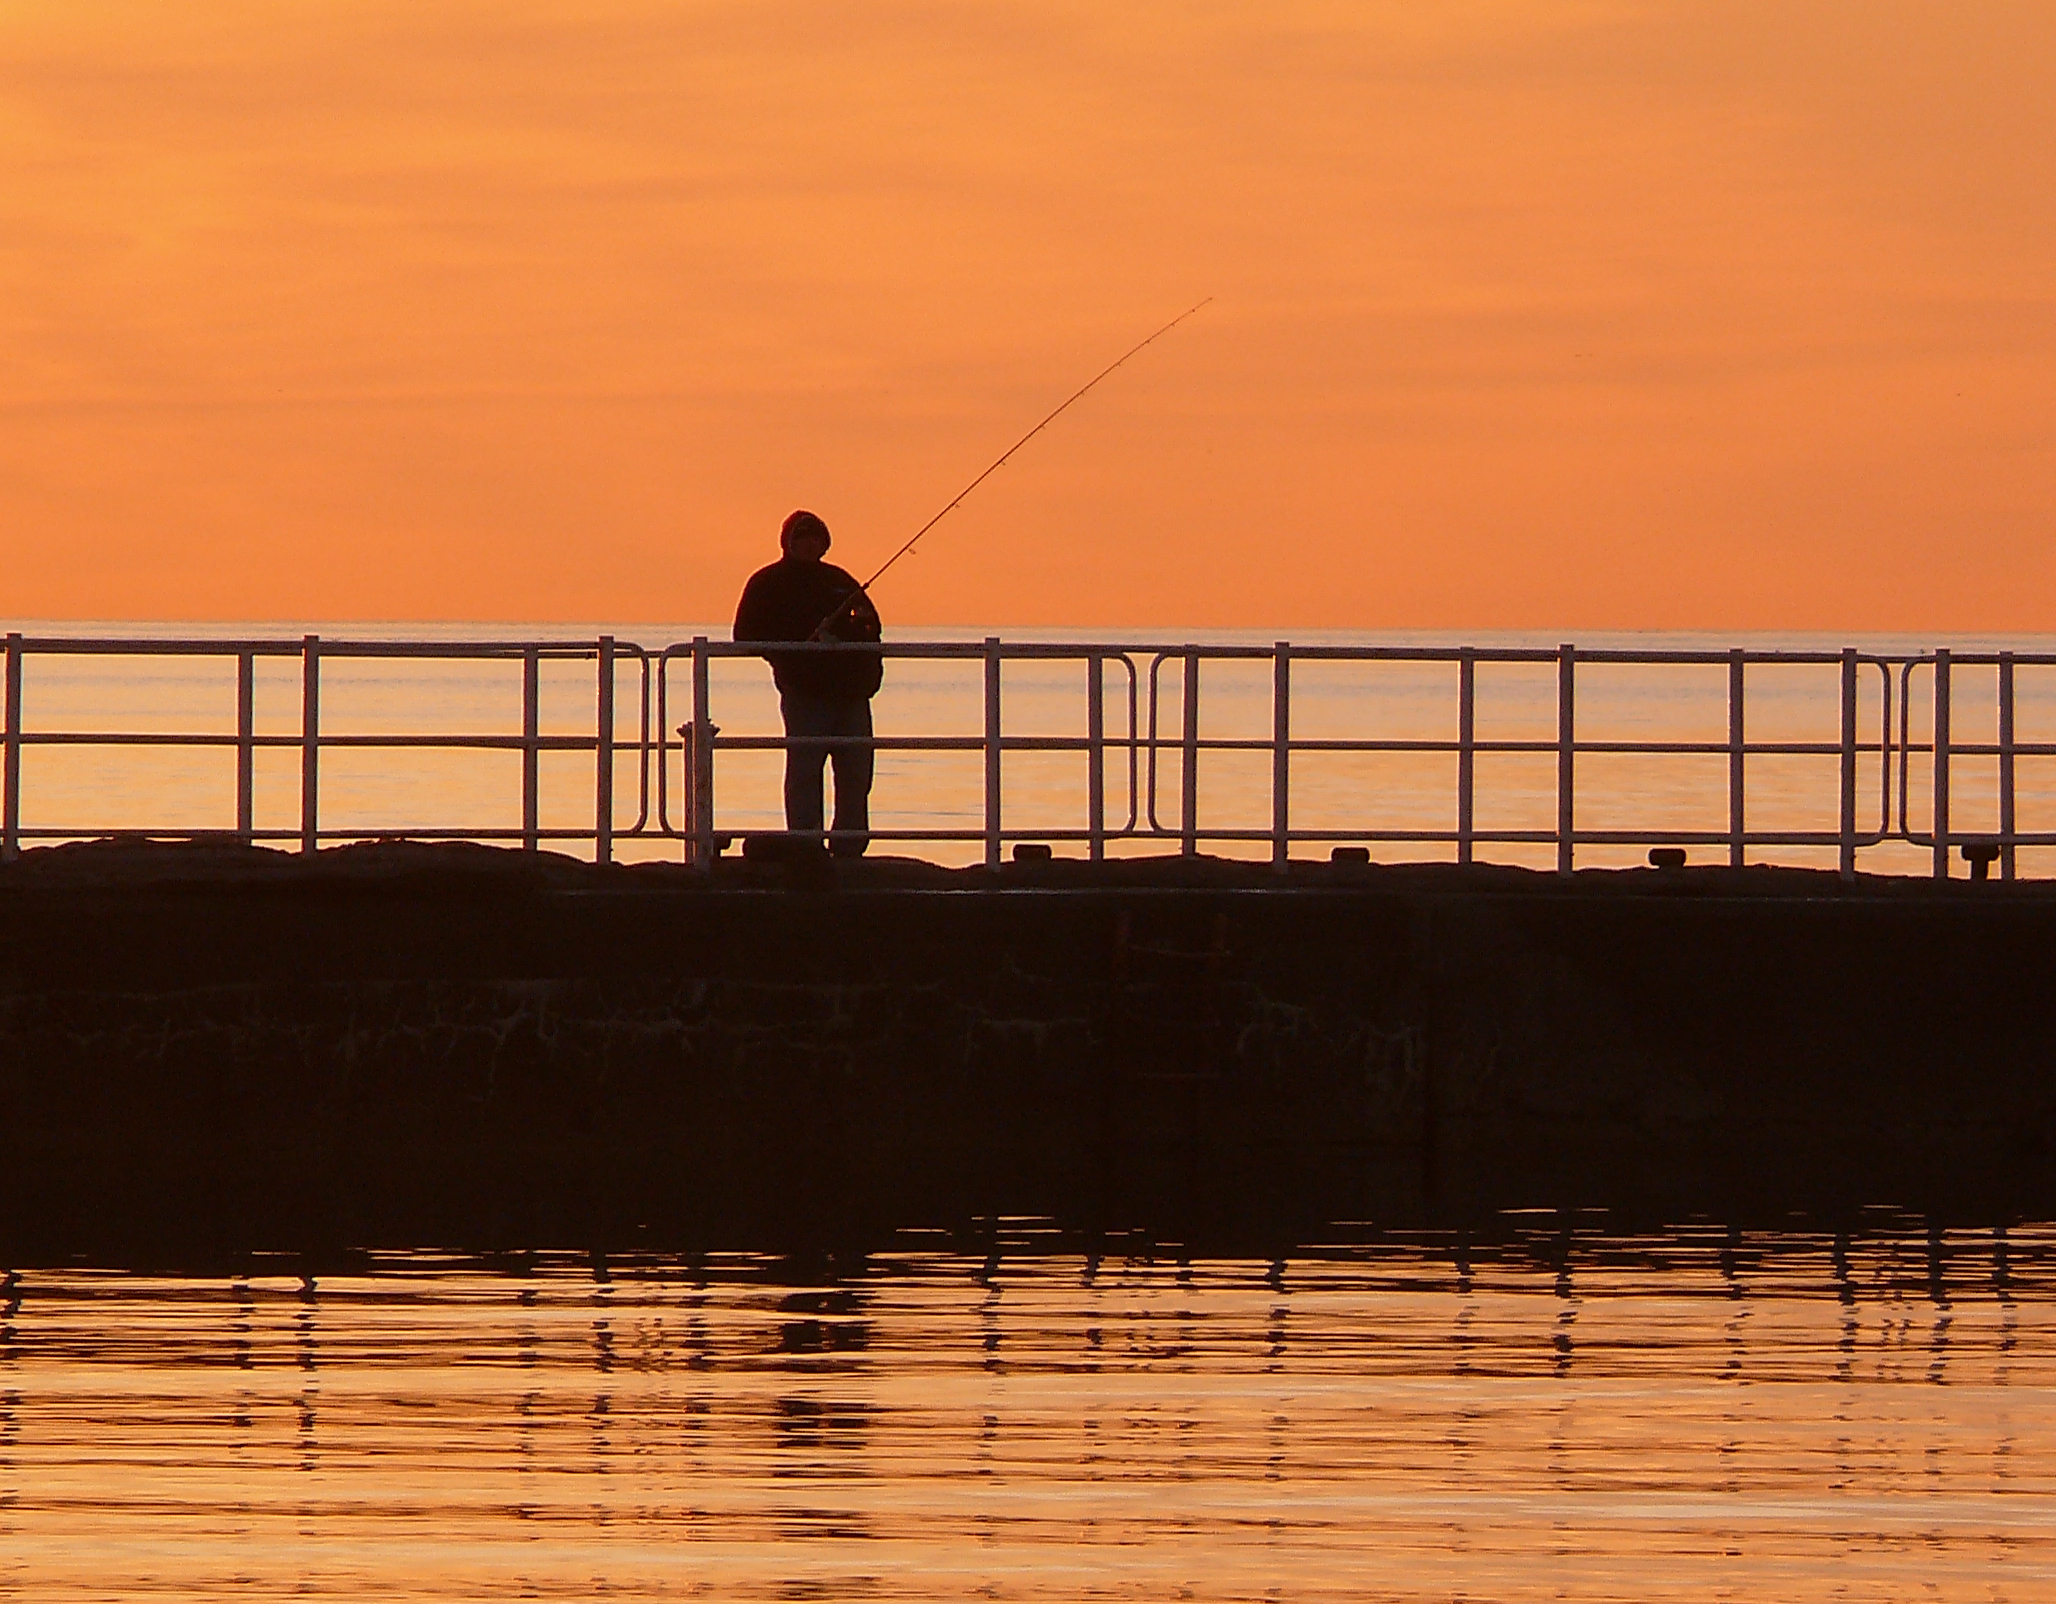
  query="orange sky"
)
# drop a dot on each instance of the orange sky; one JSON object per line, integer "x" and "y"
{"x": 1583, "y": 313}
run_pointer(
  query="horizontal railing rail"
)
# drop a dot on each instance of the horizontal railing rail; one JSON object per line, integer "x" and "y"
{"x": 675, "y": 766}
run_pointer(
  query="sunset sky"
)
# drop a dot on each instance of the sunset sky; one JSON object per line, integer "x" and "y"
{"x": 1593, "y": 313}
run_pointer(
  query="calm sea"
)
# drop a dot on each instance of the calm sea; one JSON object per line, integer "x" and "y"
{"x": 1691, "y": 1416}
{"x": 91, "y": 790}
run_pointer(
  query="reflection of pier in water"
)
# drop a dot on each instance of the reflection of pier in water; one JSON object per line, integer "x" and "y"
{"x": 1689, "y": 1392}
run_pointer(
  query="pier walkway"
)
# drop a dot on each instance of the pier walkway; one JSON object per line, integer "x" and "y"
{"x": 1196, "y": 1018}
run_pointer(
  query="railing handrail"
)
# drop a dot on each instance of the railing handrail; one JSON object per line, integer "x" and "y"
{"x": 586, "y": 646}
{"x": 1142, "y": 742}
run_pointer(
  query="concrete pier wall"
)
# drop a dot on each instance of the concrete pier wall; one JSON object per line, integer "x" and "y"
{"x": 213, "y": 1049}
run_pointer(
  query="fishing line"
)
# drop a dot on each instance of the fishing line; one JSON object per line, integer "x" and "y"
{"x": 1001, "y": 460}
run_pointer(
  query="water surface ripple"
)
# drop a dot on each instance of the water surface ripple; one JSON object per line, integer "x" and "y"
{"x": 1688, "y": 1416}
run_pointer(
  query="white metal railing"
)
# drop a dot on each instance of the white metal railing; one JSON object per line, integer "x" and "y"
{"x": 1138, "y": 745}
{"x": 310, "y": 740}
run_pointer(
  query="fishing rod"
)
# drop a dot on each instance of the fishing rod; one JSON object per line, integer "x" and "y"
{"x": 1000, "y": 462}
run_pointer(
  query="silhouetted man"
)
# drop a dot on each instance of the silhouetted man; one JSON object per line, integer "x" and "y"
{"x": 821, "y": 694}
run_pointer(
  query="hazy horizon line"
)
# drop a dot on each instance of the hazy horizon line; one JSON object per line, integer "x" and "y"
{"x": 681, "y": 630}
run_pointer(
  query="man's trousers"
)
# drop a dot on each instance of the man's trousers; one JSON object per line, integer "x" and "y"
{"x": 808, "y": 719}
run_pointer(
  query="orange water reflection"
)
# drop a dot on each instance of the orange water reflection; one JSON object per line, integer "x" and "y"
{"x": 1687, "y": 1417}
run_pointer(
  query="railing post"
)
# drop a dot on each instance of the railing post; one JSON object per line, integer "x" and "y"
{"x": 688, "y": 827}
{"x": 699, "y": 782}
{"x": 1281, "y": 753}
{"x": 1848, "y": 763}
{"x": 246, "y": 745}
{"x": 1466, "y": 751}
{"x": 310, "y": 742}
{"x": 1941, "y": 819}
{"x": 531, "y": 676}
{"x": 1566, "y": 752}
{"x": 2006, "y": 817}
{"x": 992, "y": 753}
{"x": 1736, "y": 749}
{"x": 10, "y": 762}
{"x": 603, "y": 757}
{"x": 1188, "y": 774}
{"x": 1095, "y": 759}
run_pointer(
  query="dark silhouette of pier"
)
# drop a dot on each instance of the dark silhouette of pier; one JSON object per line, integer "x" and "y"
{"x": 220, "y": 1047}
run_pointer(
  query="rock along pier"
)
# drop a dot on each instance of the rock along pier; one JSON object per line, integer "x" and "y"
{"x": 213, "y": 1048}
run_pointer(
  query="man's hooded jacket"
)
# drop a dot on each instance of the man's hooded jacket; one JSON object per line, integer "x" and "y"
{"x": 788, "y": 602}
